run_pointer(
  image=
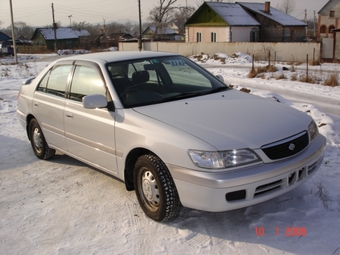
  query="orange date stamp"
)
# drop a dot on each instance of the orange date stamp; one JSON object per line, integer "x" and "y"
{"x": 289, "y": 231}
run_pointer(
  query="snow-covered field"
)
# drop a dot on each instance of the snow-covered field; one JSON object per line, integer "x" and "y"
{"x": 63, "y": 206}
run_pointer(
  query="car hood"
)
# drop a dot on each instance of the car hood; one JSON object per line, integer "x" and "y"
{"x": 230, "y": 119}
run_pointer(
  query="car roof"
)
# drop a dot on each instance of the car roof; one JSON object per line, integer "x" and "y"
{"x": 115, "y": 56}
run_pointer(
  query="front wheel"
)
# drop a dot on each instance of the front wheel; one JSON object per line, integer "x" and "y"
{"x": 38, "y": 142}
{"x": 155, "y": 189}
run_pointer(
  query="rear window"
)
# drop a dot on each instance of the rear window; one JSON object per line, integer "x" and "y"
{"x": 56, "y": 80}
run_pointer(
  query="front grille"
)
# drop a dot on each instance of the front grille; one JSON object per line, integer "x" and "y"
{"x": 287, "y": 147}
{"x": 274, "y": 185}
{"x": 314, "y": 166}
{"x": 263, "y": 189}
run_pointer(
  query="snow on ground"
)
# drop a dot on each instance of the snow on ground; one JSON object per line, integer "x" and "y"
{"x": 63, "y": 206}
{"x": 237, "y": 67}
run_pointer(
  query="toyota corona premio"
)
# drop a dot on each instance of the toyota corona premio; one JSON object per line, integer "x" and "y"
{"x": 172, "y": 131}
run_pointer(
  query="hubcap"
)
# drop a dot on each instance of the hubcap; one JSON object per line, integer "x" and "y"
{"x": 150, "y": 188}
{"x": 37, "y": 139}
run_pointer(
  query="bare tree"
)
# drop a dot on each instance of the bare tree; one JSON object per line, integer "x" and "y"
{"x": 200, "y": 2}
{"x": 181, "y": 16}
{"x": 162, "y": 14}
{"x": 184, "y": 13}
{"x": 84, "y": 25}
{"x": 287, "y": 6}
{"x": 20, "y": 29}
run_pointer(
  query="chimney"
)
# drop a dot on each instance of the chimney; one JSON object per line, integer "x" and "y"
{"x": 267, "y": 7}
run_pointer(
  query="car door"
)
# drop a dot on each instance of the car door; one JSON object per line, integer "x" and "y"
{"x": 89, "y": 132}
{"x": 49, "y": 102}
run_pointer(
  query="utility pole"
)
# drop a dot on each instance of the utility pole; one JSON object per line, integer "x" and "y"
{"x": 140, "y": 27}
{"x": 13, "y": 36}
{"x": 104, "y": 28}
{"x": 314, "y": 23}
{"x": 306, "y": 23}
{"x": 55, "y": 30}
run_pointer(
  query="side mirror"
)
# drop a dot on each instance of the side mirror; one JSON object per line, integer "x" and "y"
{"x": 220, "y": 77}
{"x": 94, "y": 101}
{"x": 28, "y": 81}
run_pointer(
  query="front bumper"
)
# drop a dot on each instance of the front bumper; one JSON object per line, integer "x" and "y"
{"x": 233, "y": 189}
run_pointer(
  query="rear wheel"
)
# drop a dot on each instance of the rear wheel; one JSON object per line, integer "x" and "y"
{"x": 155, "y": 189}
{"x": 38, "y": 142}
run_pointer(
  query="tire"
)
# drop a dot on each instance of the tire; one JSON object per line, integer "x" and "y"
{"x": 155, "y": 189}
{"x": 38, "y": 142}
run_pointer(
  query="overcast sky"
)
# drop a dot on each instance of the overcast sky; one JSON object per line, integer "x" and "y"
{"x": 39, "y": 12}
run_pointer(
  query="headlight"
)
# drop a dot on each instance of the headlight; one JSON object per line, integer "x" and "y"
{"x": 313, "y": 130}
{"x": 222, "y": 159}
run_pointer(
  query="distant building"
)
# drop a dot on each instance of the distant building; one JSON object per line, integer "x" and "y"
{"x": 243, "y": 22}
{"x": 221, "y": 22}
{"x": 66, "y": 38}
{"x": 276, "y": 26}
{"x": 5, "y": 45}
{"x": 111, "y": 40}
{"x": 329, "y": 17}
{"x": 122, "y": 37}
{"x": 162, "y": 33}
{"x": 81, "y": 32}
{"x": 22, "y": 40}
{"x": 84, "y": 38}
{"x": 178, "y": 27}
{"x": 4, "y": 37}
{"x": 329, "y": 30}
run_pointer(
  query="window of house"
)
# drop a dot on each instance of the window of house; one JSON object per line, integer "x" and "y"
{"x": 323, "y": 29}
{"x": 331, "y": 27}
{"x": 332, "y": 14}
{"x": 198, "y": 37}
{"x": 213, "y": 37}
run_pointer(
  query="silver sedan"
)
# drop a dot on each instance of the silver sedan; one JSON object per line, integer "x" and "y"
{"x": 169, "y": 129}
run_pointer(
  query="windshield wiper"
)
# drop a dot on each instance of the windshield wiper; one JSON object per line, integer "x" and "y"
{"x": 183, "y": 96}
{"x": 218, "y": 89}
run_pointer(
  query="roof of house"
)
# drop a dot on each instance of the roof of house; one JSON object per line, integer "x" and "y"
{"x": 163, "y": 30}
{"x": 179, "y": 24}
{"x": 328, "y": 7}
{"x": 21, "y": 37}
{"x": 233, "y": 14}
{"x": 274, "y": 14}
{"x": 81, "y": 32}
{"x": 62, "y": 33}
{"x": 4, "y": 37}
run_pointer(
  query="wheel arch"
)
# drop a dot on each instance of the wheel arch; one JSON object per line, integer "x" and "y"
{"x": 28, "y": 120}
{"x": 130, "y": 162}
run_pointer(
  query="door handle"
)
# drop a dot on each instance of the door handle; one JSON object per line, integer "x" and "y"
{"x": 69, "y": 115}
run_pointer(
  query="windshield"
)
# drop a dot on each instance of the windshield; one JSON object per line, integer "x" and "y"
{"x": 157, "y": 80}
